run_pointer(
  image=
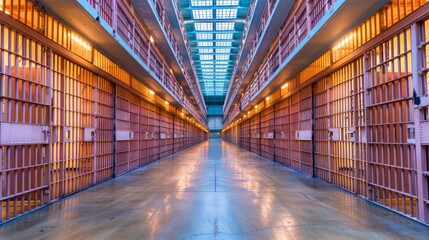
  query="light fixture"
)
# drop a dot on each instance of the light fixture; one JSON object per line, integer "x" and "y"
{"x": 267, "y": 98}
{"x": 285, "y": 86}
{"x": 166, "y": 103}
{"x": 151, "y": 39}
{"x": 151, "y": 92}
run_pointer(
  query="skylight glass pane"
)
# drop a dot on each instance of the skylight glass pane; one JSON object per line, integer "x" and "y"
{"x": 207, "y": 62}
{"x": 206, "y": 57}
{"x": 207, "y": 70}
{"x": 221, "y": 70}
{"x": 204, "y": 36}
{"x": 224, "y": 36}
{"x": 223, "y": 50}
{"x": 226, "y": 2}
{"x": 207, "y": 66}
{"x": 205, "y": 44}
{"x": 203, "y": 26}
{"x": 205, "y": 50}
{"x": 222, "y": 57}
{"x": 225, "y": 26}
{"x": 227, "y": 13}
{"x": 221, "y": 62}
{"x": 202, "y": 13}
{"x": 201, "y": 3}
{"x": 223, "y": 44}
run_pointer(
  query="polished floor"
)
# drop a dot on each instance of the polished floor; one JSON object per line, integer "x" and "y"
{"x": 214, "y": 190}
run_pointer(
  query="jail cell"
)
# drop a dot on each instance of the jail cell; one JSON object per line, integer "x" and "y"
{"x": 267, "y": 133}
{"x": 166, "y": 134}
{"x": 282, "y": 132}
{"x": 178, "y": 133}
{"x": 305, "y": 130}
{"x": 255, "y": 134}
{"x": 151, "y": 142}
{"x": 322, "y": 131}
{"x": 391, "y": 158}
{"x": 73, "y": 128}
{"x": 25, "y": 102}
{"x": 105, "y": 113}
{"x": 424, "y": 119}
{"x": 134, "y": 135}
{"x": 294, "y": 128}
{"x": 245, "y": 134}
{"x": 347, "y": 144}
{"x": 122, "y": 131}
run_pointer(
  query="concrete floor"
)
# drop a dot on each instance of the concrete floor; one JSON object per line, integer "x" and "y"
{"x": 214, "y": 190}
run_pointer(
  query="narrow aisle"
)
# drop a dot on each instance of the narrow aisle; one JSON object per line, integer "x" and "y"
{"x": 214, "y": 190}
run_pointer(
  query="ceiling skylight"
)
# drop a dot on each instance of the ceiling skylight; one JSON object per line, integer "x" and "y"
{"x": 214, "y": 29}
{"x": 202, "y": 13}
{"x": 226, "y": 13}
{"x": 225, "y": 26}
{"x": 205, "y": 44}
{"x": 223, "y": 50}
{"x": 201, "y": 3}
{"x": 224, "y": 36}
{"x": 204, "y": 36}
{"x": 205, "y": 50}
{"x": 203, "y": 26}
{"x": 223, "y": 44}
{"x": 226, "y": 2}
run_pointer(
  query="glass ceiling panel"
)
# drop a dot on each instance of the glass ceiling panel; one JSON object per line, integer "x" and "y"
{"x": 226, "y": 2}
{"x": 225, "y": 26}
{"x": 203, "y": 26}
{"x": 228, "y": 13}
{"x": 202, "y": 13}
{"x": 214, "y": 37}
{"x": 201, "y": 3}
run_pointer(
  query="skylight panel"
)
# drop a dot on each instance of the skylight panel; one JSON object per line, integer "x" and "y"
{"x": 222, "y": 57}
{"x": 226, "y": 13}
{"x": 206, "y": 66}
{"x": 225, "y": 26}
{"x": 202, "y": 13}
{"x": 207, "y": 70}
{"x": 223, "y": 44}
{"x": 203, "y": 26}
{"x": 221, "y": 62}
{"x": 224, "y": 36}
{"x": 206, "y": 57}
{"x": 204, "y": 36}
{"x": 205, "y": 50}
{"x": 221, "y": 70}
{"x": 205, "y": 44}
{"x": 226, "y": 2}
{"x": 206, "y": 62}
{"x": 201, "y": 3}
{"x": 223, "y": 50}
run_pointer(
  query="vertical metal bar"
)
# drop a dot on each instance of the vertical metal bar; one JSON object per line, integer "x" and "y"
{"x": 313, "y": 129}
{"x": 115, "y": 104}
{"x": 422, "y": 190}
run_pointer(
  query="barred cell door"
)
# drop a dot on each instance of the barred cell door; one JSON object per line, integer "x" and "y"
{"x": 24, "y": 124}
{"x": 73, "y": 127}
{"x": 346, "y": 125}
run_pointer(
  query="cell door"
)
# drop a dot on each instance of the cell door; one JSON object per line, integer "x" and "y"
{"x": 346, "y": 128}
{"x": 73, "y": 127}
{"x": 24, "y": 124}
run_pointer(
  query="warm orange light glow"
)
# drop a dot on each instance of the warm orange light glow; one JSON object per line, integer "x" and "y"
{"x": 151, "y": 92}
{"x": 267, "y": 98}
{"x": 166, "y": 103}
{"x": 80, "y": 41}
{"x": 151, "y": 39}
{"x": 285, "y": 86}
{"x": 345, "y": 41}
